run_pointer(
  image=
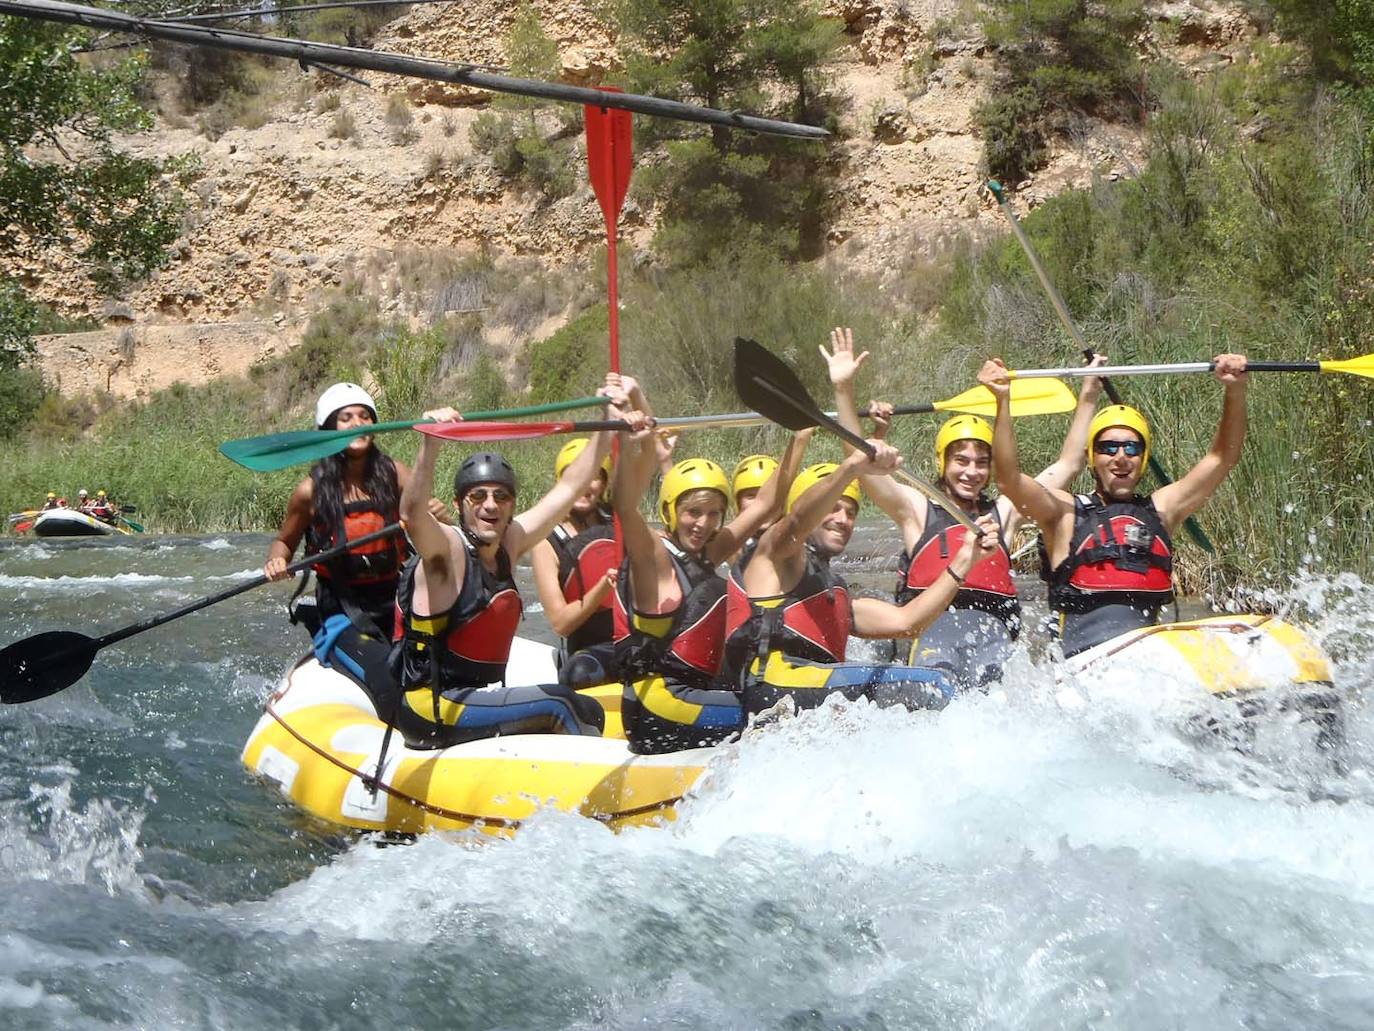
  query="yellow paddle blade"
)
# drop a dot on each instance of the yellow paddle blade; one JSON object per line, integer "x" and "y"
{"x": 1028, "y": 397}
{"x": 1363, "y": 366}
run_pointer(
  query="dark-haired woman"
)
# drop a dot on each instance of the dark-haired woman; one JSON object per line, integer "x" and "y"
{"x": 347, "y": 496}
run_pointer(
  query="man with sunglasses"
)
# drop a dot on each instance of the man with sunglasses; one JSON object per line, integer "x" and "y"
{"x": 458, "y": 605}
{"x": 1108, "y": 555}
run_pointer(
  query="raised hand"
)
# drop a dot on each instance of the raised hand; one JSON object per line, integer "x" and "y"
{"x": 995, "y": 377}
{"x": 881, "y": 414}
{"x": 843, "y": 363}
{"x": 1230, "y": 369}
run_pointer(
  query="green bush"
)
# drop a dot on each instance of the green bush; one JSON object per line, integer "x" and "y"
{"x": 21, "y": 394}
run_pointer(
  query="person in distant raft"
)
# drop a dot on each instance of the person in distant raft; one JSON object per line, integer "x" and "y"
{"x": 789, "y": 616}
{"x": 346, "y": 496}
{"x": 102, "y": 508}
{"x": 670, "y": 601}
{"x": 458, "y": 607}
{"x": 974, "y": 636}
{"x": 575, "y": 573}
{"x": 52, "y": 502}
{"x": 1109, "y": 554}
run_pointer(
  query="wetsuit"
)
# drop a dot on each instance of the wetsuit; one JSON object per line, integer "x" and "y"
{"x": 670, "y": 662}
{"x": 1118, "y": 574}
{"x": 793, "y": 646}
{"x": 586, "y": 656}
{"x": 973, "y": 637}
{"x": 451, "y": 666}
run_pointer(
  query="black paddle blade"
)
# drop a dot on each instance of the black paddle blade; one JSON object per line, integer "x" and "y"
{"x": 765, "y": 384}
{"x": 44, "y": 664}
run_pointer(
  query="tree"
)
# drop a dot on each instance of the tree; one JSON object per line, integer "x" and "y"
{"x": 63, "y": 182}
{"x": 719, "y": 188}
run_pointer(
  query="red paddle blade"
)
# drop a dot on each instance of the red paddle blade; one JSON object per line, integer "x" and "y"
{"x": 493, "y": 430}
{"x": 23, "y": 527}
{"x": 610, "y": 156}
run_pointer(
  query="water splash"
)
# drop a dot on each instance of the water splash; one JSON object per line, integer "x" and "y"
{"x": 48, "y": 838}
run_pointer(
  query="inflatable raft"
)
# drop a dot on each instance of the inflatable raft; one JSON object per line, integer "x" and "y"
{"x": 319, "y": 740}
{"x": 1262, "y": 662}
{"x": 68, "y": 522}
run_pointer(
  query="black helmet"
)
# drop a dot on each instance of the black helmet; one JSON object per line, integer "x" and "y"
{"x": 483, "y": 467}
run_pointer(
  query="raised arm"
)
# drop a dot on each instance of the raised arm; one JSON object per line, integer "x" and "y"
{"x": 897, "y": 502}
{"x": 1073, "y": 456}
{"x": 633, "y": 474}
{"x": 1034, "y": 500}
{"x": 764, "y": 505}
{"x": 876, "y": 618}
{"x": 1176, "y": 501}
{"x": 427, "y": 536}
{"x": 563, "y": 615}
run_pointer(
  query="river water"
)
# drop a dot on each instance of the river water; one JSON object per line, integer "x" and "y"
{"x": 1011, "y": 862}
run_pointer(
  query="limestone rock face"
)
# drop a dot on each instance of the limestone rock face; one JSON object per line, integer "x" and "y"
{"x": 284, "y": 213}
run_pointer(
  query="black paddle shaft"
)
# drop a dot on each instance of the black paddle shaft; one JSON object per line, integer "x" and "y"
{"x": 47, "y": 663}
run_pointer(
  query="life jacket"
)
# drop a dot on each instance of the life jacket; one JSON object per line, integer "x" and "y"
{"x": 685, "y": 645}
{"x": 583, "y": 559}
{"x": 373, "y": 563}
{"x": 809, "y": 623}
{"x": 1119, "y": 554}
{"x": 466, "y": 646}
{"x": 988, "y": 586}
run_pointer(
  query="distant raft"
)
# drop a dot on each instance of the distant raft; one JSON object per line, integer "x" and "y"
{"x": 68, "y": 522}
{"x": 1260, "y": 661}
{"x": 320, "y": 737}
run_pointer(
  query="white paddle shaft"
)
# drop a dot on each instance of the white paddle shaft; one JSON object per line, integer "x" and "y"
{"x": 1114, "y": 370}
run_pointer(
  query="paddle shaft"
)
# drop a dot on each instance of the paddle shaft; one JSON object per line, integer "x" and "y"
{"x": 1160, "y": 370}
{"x": 248, "y": 585}
{"x": 1071, "y": 327}
{"x": 858, "y": 442}
{"x": 755, "y": 419}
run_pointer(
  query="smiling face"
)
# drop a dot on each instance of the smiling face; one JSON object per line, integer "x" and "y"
{"x": 1117, "y": 475}
{"x": 832, "y": 536}
{"x": 347, "y": 418}
{"x": 699, "y": 515}
{"x": 968, "y": 467}
{"x": 487, "y": 510}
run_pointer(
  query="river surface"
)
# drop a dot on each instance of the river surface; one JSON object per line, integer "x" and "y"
{"x": 1011, "y": 862}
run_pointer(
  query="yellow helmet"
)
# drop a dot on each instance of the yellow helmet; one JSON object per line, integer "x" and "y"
{"x": 52, "y": 496}
{"x": 569, "y": 452}
{"x": 685, "y": 477}
{"x": 961, "y": 427}
{"x": 812, "y": 475}
{"x": 751, "y": 474}
{"x": 1118, "y": 415}
{"x": 100, "y": 493}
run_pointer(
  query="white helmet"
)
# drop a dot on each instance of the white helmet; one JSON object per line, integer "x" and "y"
{"x": 341, "y": 395}
{"x": 81, "y": 493}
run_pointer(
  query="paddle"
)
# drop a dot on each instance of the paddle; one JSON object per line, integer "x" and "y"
{"x": 23, "y": 527}
{"x": 1362, "y": 366}
{"x": 50, "y": 662}
{"x": 464, "y": 430}
{"x": 280, "y": 450}
{"x": 610, "y": 153}
{"x": 1026, "y": 399}
{"x": 136, "y": 527}
{"x": 767, "y": 385}
{"x": 1190, "y": 524}
{"x": 28, "y": 513}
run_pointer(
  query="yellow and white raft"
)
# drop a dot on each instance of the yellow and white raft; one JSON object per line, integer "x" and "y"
{"x": 1259, "y": 661}
{"x": 319, "y": 740}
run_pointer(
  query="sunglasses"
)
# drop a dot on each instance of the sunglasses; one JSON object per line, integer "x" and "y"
{"x": 1133, "y": 448}
{"x": 479, "y": 495}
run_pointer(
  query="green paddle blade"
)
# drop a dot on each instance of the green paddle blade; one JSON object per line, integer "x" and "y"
{"x": 1363, "y": 366}
{"x": 44, "y": 664}
{"x": 1028, "y": 397}
{"x": 295, "y": 447}
{"x": 136, "y": 527}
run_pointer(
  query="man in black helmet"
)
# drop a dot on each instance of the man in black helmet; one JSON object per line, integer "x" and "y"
{"x": 459, "y": 606}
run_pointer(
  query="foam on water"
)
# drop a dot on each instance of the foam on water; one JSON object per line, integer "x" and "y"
{"x": 48, "y": 838}
{"x": 86, "y": 583}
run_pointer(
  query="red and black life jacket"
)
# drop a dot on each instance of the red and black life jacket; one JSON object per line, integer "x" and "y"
{"x": 692, "y": 644}
{"x": 583, "y": 559}
{"x": 373, "y": 563}
{"x": 809, "y": 623}
{"x": 1120, "y": 554}
{"x": 988, "y": 585}
{"x": 466, "y": 646}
